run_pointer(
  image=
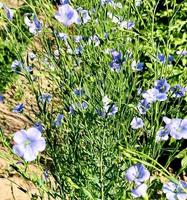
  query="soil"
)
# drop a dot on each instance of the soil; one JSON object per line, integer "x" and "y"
{"x": 12, "y": 185}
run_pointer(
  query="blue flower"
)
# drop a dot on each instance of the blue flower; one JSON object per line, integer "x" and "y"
{"x": 17, "y": 66}
{"x": 177, "y": 128}
{"x": 63, "y": 2}
{"x": 137, "y": 66}
{"x": 115, "y": 66}
{"x": 9, "y": 12}
{"x": 178, "y": 91}
{"x": 78, "y": 50}
{"x": 95, "y": 39}
{"x": 182, "y": 53}
{"x": 46, "y": 174}
{"x": 162, "y": 86}
{"x": 35, "y": 25}
{"x": 46, "y": 97}
{"x": 18, "y": 108}
{"x": 143, "y": 106}
{"x": 139, "y": 191}
{"x": 31, "y": 55}
{"x": 153, "y": 95}
{"x": 109, "y": 109}
{"x": 116, "y": 56}
{"x": 82, "y": 105}
{"x": 137, "y": 173}
{"x": 162, "y": 135}
{"x": 58, "y": 120}
{"x": 78, "y": 92}
{"x": 170, "y": 58}
{"x": 39, "y": 126}
{"x": 103, "y": 2}
{"x": 175, "y": 191}
{"x": 1, "y": 98}
{"x": 67, "y": 15}
{"x": 137, "y": 123}
{"x": 161, "y": 58}
{"x": 78, "y": 38}
{"x": 127, "y": 24}
{"x": 28, "y": 143}
{"x": 112, "y": 110}
{"x": 71, "y": 109}
{"x": 84, "y": 16}
{"x": 63, "y": 36}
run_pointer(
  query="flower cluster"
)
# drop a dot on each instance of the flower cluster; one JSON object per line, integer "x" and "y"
{"x": 176, "y": 128}
{"x": 175, "y": 191}
{"x": 67, "y": 15}
{"x": 138, "y": 174}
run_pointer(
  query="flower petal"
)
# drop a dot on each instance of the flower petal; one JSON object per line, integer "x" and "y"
{"x": 30, "y": 154}
{"x": 20, "y": 136}
{"x": 33, "y": 134}
{"x": 19, "y": 150}
{"x": 39, "y": 145}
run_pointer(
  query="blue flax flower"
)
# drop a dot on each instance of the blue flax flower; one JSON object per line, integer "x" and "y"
{"x": 116, "y": 56}
{"x": 63, "y": 2}
{"x": 18, "y": 108}
{"x": 103, "y": 2}
{"x": 67, "y": 15}
{"x": 9, "y": 12}
{"x": 177, "y": 128}
{"x": 162, "y": 86}
{"x": 161, "y": 58}
{"x": 153, "y": 95}
{"x": 162, "y": 135}
{"x": 170, "y": 58}
{"x": 78, "y": 38}
{"x": 137, "y": 66}
{"x": 1, "y": 98}
{"x": 31, "y": 55}
{"x": 46, "y": 97}
{"x": 178, "y": 91}
{"x": 137, "y": 123}
{"x": 109, "y": 109}
{"x": 143, "y": 106}
{"x": 58, "y": 120}
{"x": 115, "y": 66}
{"x": 84, "y": 16}
{"x": 182, "y": 53}
{"x": 175, "y": 191}
{"x": 82, "y": 105}
{"x": 28, "y": 143}
{"x": 137, "y": 173}
{"x": 95, "y": 40}
{"x": 17, "y": 66}
{"x": 127, "y": 25}
{"x": 63, "y": 36}
{"x": 39, "y": 126}
{"x": 34, "y": 25}
{"x": 139, "y": 191}
{"x": 79, "y": 92}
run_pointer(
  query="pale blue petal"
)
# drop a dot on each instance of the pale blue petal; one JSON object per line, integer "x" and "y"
{"x": 19, "y": 149}
{"x": 30, "y": 154}
{"x": 20, "y": 137}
